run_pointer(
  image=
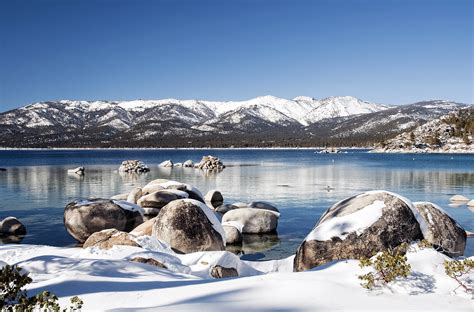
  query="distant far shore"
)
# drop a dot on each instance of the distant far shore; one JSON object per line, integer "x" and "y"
{"x": 179, "y": 148}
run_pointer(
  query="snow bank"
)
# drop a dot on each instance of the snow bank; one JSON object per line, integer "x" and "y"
{"x": 107, "y": 280}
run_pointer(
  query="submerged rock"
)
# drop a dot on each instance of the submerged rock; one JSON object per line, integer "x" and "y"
{"x": 12, "y": 226}
{"x": 106, "y": 239}
{"x": 189, "y": 226}
{"x": 358, "y": 227}
{"x": 442, "y": 231}
{"x": 83, "y": 218}
{"x": 253, "y": 221}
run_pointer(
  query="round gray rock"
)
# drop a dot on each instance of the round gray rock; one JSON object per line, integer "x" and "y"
{"x": 358, "y": 227}
{"x": 185, "y": 226}
{"x": 83, "y": 218}
{"x": 253, "y": 221}
{"x": 263, "y": 205}
{"x": 214, "y": 197}
{"x": 232, "y": 234}
{"x": 441, "y": 230}
{"x": 12, "y": 226}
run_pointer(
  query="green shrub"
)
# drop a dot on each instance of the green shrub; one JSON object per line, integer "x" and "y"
{"x": 457, "y": 269}
{"x": 387, "y": 265}
{"x": 14, "y": 298}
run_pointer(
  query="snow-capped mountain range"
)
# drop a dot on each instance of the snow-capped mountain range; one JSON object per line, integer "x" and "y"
{"x": 155, "y": 122}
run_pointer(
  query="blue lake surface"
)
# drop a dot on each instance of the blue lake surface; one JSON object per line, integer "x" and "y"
{"x": 36, "y": 187}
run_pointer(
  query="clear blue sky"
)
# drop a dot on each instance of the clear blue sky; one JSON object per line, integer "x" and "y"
{"x": 391, "y": 51}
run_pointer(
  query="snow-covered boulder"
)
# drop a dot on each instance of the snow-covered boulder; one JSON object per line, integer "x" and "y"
{"x": 188, "y": 225}
{"x": 358, "y": 227}
{"x": 233, "y": 233}
{"x": 134, "y": 195}
{"x": 151, "y": 188}
{"x": 106, "y": 239}
{"x": 263, "y": 205}
{"x": 133, "y": 166}
{"x": 166, "y": 164}
{"x": 252, "y": 220}
{"x": 470, "y": 203}
{"x": 188, "y": 164}
{"x": 442, "y": 231}
{"x": 152, "y": 203}
{"x": 85, "y": 217}
{"x": 214, "y": 197}
{"x": 459, "y": 198}
{"x": 163, "y": 184}
{"x": 12, "y": 226}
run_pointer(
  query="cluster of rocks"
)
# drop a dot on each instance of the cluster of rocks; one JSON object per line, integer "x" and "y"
{"x": 207, "y": 162}
{"x": 183, "y": 218}
{"x": 362, "y": 225}
{"x": 210, "y": 163}
{"x": 133, "y": 166}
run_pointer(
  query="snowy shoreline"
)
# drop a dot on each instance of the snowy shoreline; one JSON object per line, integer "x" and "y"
{"x": 94, "y": 274}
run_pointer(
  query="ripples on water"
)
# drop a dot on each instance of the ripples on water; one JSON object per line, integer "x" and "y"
{"x": 36, "y": 186}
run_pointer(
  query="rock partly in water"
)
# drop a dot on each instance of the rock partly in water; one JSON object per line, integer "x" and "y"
{"x": 210, "y": 163}
{"x": 253, "y": 221}
{"x": 442, "y": 231}
{"x": 166, "y": 164}
{"x": 106, "y": 239}
{"x": 470, "y": 203}
{"x": 188, "y": 164}
{"x": 152, "y": 203}
{"x": 233, "y": 234}
{"x": 214, "y": 197}
{"x": 219, "y": 271}
{"x": 240, "y": 205}
{"x": 12, "y": 226}
{"x": 134, "y": 195}
{"x": 133, "y": 166}
{"x": 189, "y": 226}
{"x": 78, "y": 171}
{"x": 224, "y": 208}
{"x": 263, "y": 205}
{"x": 149, "y": 261}
{"x": 358, "y": 227}
{"x": 83, "y": 218}
{"x": 459, "y": 198}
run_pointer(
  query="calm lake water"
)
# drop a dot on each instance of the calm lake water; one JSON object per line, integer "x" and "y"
{"x": 36, "y": 187}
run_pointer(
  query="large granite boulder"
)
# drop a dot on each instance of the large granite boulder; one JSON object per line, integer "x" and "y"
{"x": 12, "y": 226}
{"x": 188, "y": 225}
{"x": 83, "y": 218}
{"x": 442, "y": 231}
{"x": 358, "y": 227}
{"x": 214, "y": 197}
{"x": 193, "y": 192}
{"x": 263, "y": 205}
{"x": 253, "y": 220}
{"x": 106, "y": 239}
{"x": 152, "y": 203}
